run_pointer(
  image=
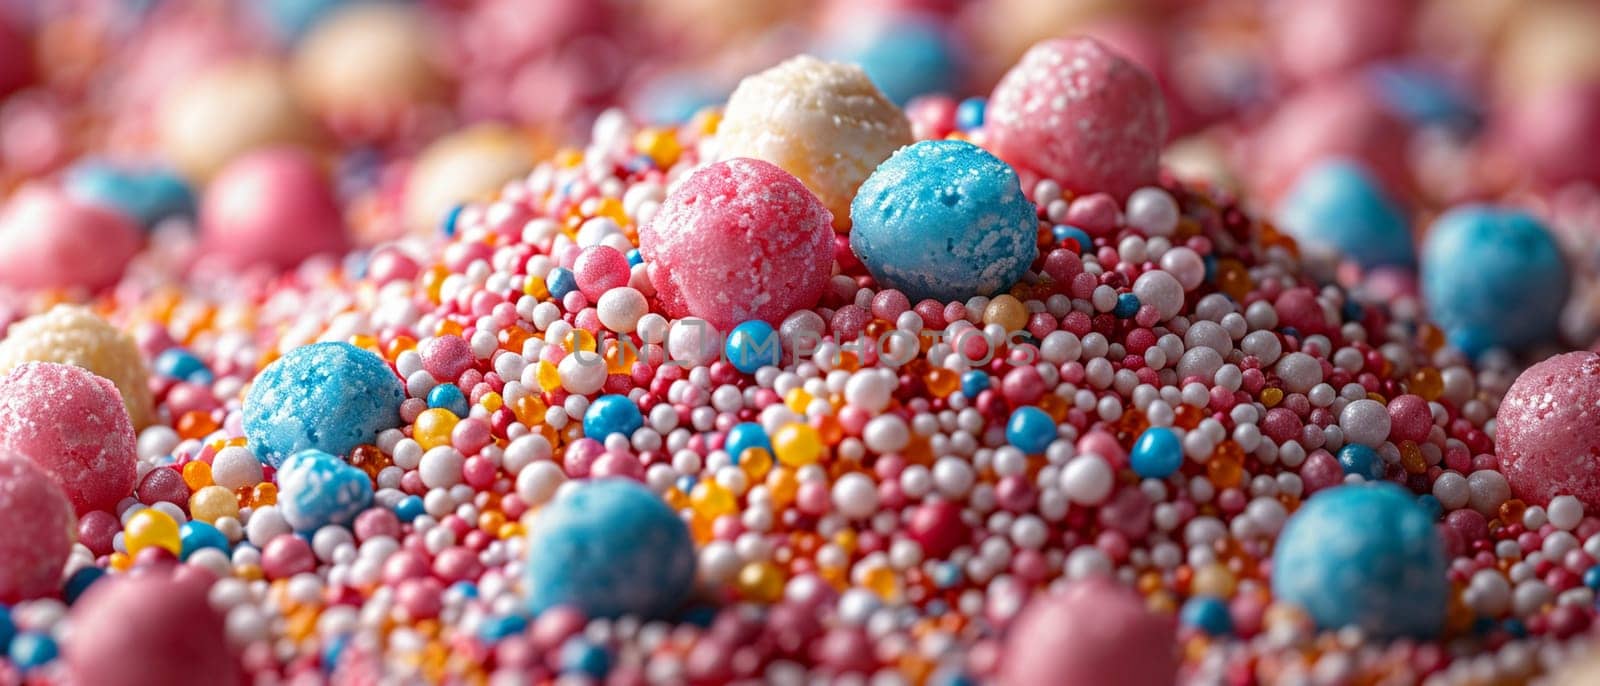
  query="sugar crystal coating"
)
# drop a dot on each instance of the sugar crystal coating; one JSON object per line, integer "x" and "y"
{"x": 38, "y": 521}
{"x": 330, "y": 397}
{"x": 75, "y": 335}
{"x": 73, "y": 424}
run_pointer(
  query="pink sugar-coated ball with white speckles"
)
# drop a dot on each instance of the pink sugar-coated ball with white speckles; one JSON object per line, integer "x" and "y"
{"x": 55, "y": 242}
{"x": 274, "y": 207}
{"x": 159, "y": 626}
{"x": 739, "y": 240}
{"x": 1081, "y": 114}
{"x": 1052, "y": 642}
{"x": 38, "y": 524}
{"x": 1547, "y": 432}
{"x": 73, "y": 425}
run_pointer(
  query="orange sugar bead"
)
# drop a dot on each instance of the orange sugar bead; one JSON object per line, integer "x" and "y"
{"x": 196, "y": 424}
{"x": 942, "y": 382}
{"x": 197, "y": 475}
{"x": 264, "y": 493}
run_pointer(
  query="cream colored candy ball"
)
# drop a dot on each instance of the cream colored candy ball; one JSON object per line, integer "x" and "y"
{"x": 824, "y": 122}
{"x": 228, "y": 110}
{"x": 212, "y": 503}
{"x": 368, "y": 57}
{"x": 1548, "y": 45}
{"x": 470, "y": 164}
{"x": 70, "y": 334}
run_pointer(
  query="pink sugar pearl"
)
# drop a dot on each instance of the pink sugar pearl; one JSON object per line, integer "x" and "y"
{"x": 446, "y": 357}
{"x": 55, "y": 242}
{"x": 273, "y": 207}
{"x": 1410, "y": 418}
{"x": 37, "y": 520}
{"x": 1081, "y": 114}
{"x": 599, "y": 269}
{"x": 160, "y": 628}
{"x": 739, "y": 240}
{"x": 1051, "y": 643}
{"x": 1548, "y": 435}
{"x": 73, "y": 425}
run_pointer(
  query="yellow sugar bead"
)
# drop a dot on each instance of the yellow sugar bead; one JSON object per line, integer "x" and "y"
{"x": 755, "y": 462}
{"x": 797, "y": 399}
{"x": 535, "y": 287}
{"x": 798, "y": 445}
{"x": 529, "y": 410}
{"x": 549, "y": 376}
{"x": 1271, "y": 397}
{"x": 491, "y": 401}
{"x": 1213, "y": 580}
{"x": 212, "y": 503}
{"x": 433, "y": 428}
{"x": 1006, "y": 311}
{"x": 197, "y": 475}
{"x": 121, "y": 562}
{"x": 712, "y": 500}
{"x": 760, "y": 582}
{"x": 151, "y": 527}
{"x": 782, "y": 486}
{"x": 661, "y": 145}
{"x": 447, "y": 327}
{"x": 882, "y": 580}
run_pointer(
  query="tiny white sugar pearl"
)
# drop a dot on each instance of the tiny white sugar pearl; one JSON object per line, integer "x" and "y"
{"x": 1153, "y": 210}
{"x": 1565, "y": 512}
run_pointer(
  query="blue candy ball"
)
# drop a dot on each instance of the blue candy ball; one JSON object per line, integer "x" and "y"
{"x": 744, "y": 436}
{"x": 1493, "y": 278}
{"x": 752, "y": 345}
{"x": 970, "y": 113}
{"x": 409, "y": 508}
{"x": 1359, "y": 459}
{"x": 1338, "y": 205}
{"x": 449, "y": 396}
{"x": 181, "y": 364}
{"x": 291, "y": 19}
{"x": 195, "y": 535}
{"x": 1426, "y": 96}
{"x": 905, "y": 57}
{"x": 560, "y": 282}
{"x": 611, "y": 414}
{"x": 1364, "y": 555}
{"x": 325, "y": 396}
{"x": 316, "y": 489}
{"x": 973, "y": 383}
{"x": 1157, "y": 454}
{"x": 1208, "y": 614}
{"x": 145, "y": 195}
{"x": 580, "y": 656}
{"x": 1030, "y": 430}
{"x": 944, "y": 220}
{"x": 77, "y": 585}
{"x": 31, "y": 649}
{"x": 8, "y": 628}
{"x": 610, "y": 548}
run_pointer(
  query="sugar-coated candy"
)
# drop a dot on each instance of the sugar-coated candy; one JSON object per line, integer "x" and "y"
{"x": 226, "y": 111}
{"x": 1080, "y": 114}
{"x": 73, "y": 425}
{"x": 905, "y": 54}
{"x": 38, "y": 521}
{"x": 1547, "y": 432}
{"x": 1338, "y": 205}
{"x": 75, "y": 335}
{"x": 1334, "y": 561}
{"x": 272, "y": 207}
{"x": 1051, "y": 643}
{"x": 824, "y": 122}
{"x": 944, "y": 220}
{"x": 54, "y": 241}
{"x": 1493, "y": 277}
{"x": 365, "y": 64}
{"x": 738, "y": 240}
{"x": 146, "y": 194}
{"x": 325, "y": 396}
{"x": 316, "y": 489}
{"x": 609, "y": 548}
{"x": 462, "y": 166}
{"x": 160, "y": 627}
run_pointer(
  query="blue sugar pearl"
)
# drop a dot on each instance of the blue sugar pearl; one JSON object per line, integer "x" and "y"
{"x": 561, "y": 281}
{"x": 1364, "y": 555}
{"x": 496, "y": 628}
{"x": 1516, "y": 628}
{"x": 1426, "y": 96}
{"x": 177, "y": 363}
{"x": 611, "y": 414}
{"x": 316, "y": 489}
{"x": 944, "y": 220}
{"x": 409, "y": 508}
{"x": 1208, "y": 614}
{"x": 609, "y": 548}
{"x": 686, "y": 482}
{"x": 325, "y": 396}
{"x": 290, "y": 19}
{"x": 196, "y": 535}
{"x": 447, "y": 226}
{"x": 973, "y": 383}
{"x": 969, "y": 114}
{"x": 1591, "y": 577}
{"x": 1064, "y": 233}
{"x": 79, "y": 583}
{"x": 635, "y": 258}
{"x": 579, "y": 656}
{"x": 752, "y": 345}
{"x": 8, "y": 629}
{"x": 147, "y": 196}
{"x": 1493, "y": 278}
{"x": 744, "y": 436}
{"x": 1030, "y": 430}
{"x": 1337, "y": 205}
{"x": 1127, "y": 306}
{"x": 31, "y": 649}
{"x": 449, "y": 396}
{"x": 1157, "y": 454}
{"x": 1359, "y": 459}
{"x": 333, "y": 651}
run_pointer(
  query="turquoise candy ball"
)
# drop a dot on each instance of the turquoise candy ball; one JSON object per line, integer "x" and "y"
{"x": 611, "y": 414}
{"x": 325, "y": 396}
{"x": 316, "y": 489}
{"x": 1367, "y": 556}
{"x": 906, "y": 56}
{"x": 1493, "y": 278}
{"x": 944, "y": 220}
{"x": 145, "y": 195}
{"x": 610, "y": 548}
{"x": 1338, "y": 205}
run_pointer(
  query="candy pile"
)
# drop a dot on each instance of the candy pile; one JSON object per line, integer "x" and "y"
{"x": 786, "y": 394}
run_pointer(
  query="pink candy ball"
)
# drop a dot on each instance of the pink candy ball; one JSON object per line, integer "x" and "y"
{"x": 1548, "y": 435}
{"x": 55, "y": 242}
{"x": 739, "y": 240}
{"x": 73, "y": 425}
{"x": 1052, "y": 643}
{"x": 37, "y": 519}
{"x": 273, "y": 207}
{"x": 599, "y": 269}
{"x": 1081, "y": 114}
{"x": 159, "y": 626}
{"x": 1549, "y": 133}
{"x": 446, "y": 357}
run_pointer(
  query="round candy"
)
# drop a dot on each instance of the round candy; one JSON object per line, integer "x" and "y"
{"x": 38, "y": 522}
{"x": 465, "y": 165}
{"x": 366, "y": 65}
{"x": 1157, "y": 454}
{"x": 147, "y": 195}
{"x": 1547, "y": 433}
{"x": 227, "y": 111}
{"x": 325, "y": 396}
{"x": 159, "y": 626}
{"x": 753, "y": 345}
{"x": 1337, "y": 205}
{"x": 612, "y": 414}
{"x": 1031, "y": 430}
{"x": 1367, "y": 556}
{"x": 1337, "y": 118}
{"x": 944, "y": 220}
{"x": 1050, "y": 643}
{"x": 1493, "y": 277}
{"x": 273, "y": 207}
{"x": 75, "y": 335}
{"x": 73, "y": 425}
{"x": 1548, "y": 132}
{"x": 824, "y": 122}
{"x": 316, "y": 489}
{"x": 1081, "y": 114}
{"x": 906, "y": 54}
{"x": 609, "y": 548}
{"x": 738, "y": 240}
{"x": 53, "y": 241}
